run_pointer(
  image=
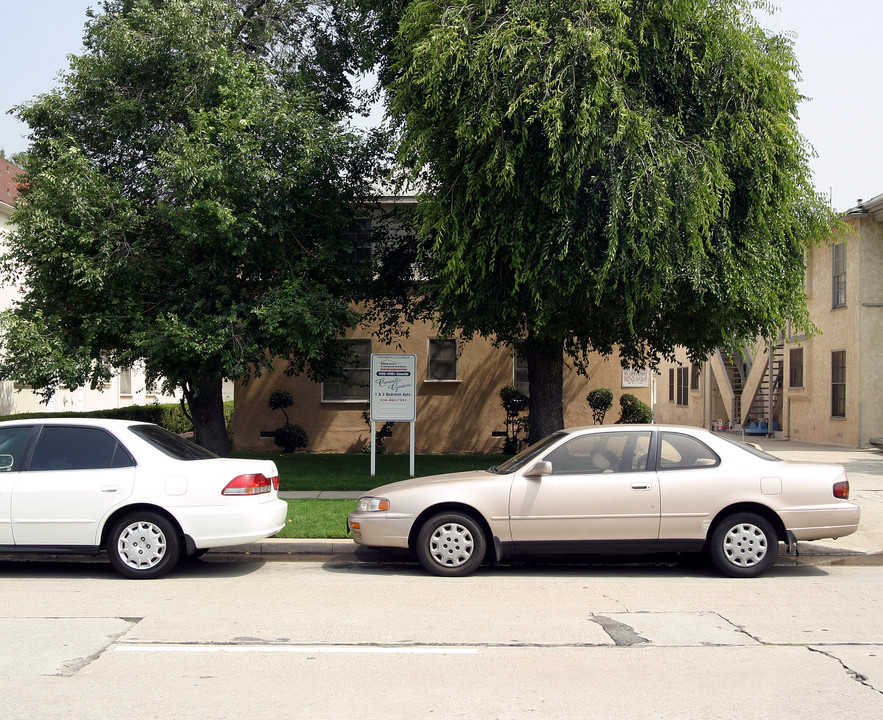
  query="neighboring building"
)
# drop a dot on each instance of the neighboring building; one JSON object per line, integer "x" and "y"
{"x": 458, "y": 401}
{"x": 825, "y": 388}
{"x": 126, "y": 388}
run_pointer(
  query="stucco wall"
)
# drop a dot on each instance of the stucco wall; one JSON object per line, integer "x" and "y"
{"x": 807, "y": 410}
{"x": 871, "y": 330}
{"x": 458, "y": 416}
{"x": 695, "y": 412}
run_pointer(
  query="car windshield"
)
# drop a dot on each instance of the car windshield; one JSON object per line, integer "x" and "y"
{"x": 170, "y": 444}
{"x": 527, "y": 455}
{"x": 756, "y": 451}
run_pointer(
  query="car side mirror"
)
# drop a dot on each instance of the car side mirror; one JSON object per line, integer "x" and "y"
{"x": 6, "y": 463}
{"x": 544, "y": 467}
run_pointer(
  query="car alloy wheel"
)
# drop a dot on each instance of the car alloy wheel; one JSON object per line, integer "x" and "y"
{"x": 451, "y": 544}
{"x": 144, "y": 545}
{"x": 744, "y": 545}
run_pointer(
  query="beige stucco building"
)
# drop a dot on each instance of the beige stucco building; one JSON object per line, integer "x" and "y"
{"x": 825, "y": 388}
{"x": 457, "y": 393}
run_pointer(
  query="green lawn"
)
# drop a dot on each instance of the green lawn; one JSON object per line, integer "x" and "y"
{"x": 306, "y": 471}
{"x": 317, "y": 518}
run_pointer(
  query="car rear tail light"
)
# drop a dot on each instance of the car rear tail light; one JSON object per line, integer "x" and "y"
{"x": 275, "y": 481}
{"x": 841, "y": 490}
{"x": 252, "y": 484}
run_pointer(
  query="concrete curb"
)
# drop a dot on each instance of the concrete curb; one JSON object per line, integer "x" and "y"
{"x": 341, "y": 550}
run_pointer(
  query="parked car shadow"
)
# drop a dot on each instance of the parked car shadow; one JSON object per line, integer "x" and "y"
{"x": 98, "y": 568}
{"x": 597, "y": 566}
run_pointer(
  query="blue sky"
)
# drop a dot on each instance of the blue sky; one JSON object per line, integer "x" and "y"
{"x": 837, "y": 43}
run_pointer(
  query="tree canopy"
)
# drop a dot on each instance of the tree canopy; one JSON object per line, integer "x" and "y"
{"x": 604, "y": 175}
{"x": 188, "y": 195}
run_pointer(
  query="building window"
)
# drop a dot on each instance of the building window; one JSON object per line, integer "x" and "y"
{"x": 671, "y": 384}
{"x": 519, "y": 373}
{"x": 795, "y": 368}
{"x": 683, "y": 386}
{"x": 838, "y": 282}
{"x": 359, "y": 240}
{"x": 695, "y": 369}
{"x": 126, "y": 382}
{"x": 353, "y": 386}
{"x": 838, "y": 383}
{"x": 442, "y": 363}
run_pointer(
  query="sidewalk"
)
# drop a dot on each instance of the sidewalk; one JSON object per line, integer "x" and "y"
{"x": 864, "y": 468}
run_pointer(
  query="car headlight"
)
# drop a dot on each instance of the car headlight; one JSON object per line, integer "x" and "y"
{"x": 373, "y": 504}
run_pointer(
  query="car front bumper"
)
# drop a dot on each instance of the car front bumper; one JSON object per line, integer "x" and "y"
{"x": 380, "y": 529}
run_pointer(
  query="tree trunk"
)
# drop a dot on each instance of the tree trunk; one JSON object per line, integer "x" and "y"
{"x": 206, "y": 401}
{"x": 545, "y": 373}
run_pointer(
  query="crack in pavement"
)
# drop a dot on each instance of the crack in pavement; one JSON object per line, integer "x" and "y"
{"x": 857, "y": 676}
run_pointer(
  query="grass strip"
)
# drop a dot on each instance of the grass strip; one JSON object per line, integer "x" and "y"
{"x": 313, "y": 518}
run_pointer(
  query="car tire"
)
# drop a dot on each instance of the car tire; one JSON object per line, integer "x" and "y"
{"x": 451, "y": 545}
{"x": 143, "y": 545}
{"x": 743, "y": 545}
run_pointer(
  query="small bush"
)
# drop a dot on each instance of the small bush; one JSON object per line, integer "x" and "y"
{"x": 633, "y": 410}
{"x": 514, "y": 403}
{"x": 290, "y": 437}
{"x": 600, "y": 400}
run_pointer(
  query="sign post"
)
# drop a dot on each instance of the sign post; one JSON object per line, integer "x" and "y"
{"x": 393, "y": 396}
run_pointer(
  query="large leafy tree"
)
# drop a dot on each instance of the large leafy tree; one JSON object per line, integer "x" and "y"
{"x": 603, "y": 175}
{"x": 187, "y": 202}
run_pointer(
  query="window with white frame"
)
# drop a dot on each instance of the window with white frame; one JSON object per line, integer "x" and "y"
{"x": 353, "y": 386}
{"x": 838, "y": 280}
{"x": 795, "y": 367}
{"x": 838, "y": 384}
{"x": 442, "y": 361}
{"x": 125, "y": 379}
{"x": 683, "y": 386}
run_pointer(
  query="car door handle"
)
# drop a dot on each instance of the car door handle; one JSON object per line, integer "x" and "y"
{"x": 110, "y": 488}
{"x": 640, "y": 486}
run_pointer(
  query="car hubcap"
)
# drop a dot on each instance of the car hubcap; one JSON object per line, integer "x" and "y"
{"x": 451, "y": 545}
{"x": 141, "y": 545}
{"x": 745, "y": 545}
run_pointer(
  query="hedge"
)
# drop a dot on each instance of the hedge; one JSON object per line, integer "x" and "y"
{"x": 169, "y": 416}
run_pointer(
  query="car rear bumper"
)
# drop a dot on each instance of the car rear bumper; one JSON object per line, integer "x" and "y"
{"x": 816, "y": 524}
{"x": 237, "y": 523}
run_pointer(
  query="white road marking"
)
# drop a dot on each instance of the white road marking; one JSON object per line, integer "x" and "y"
{"x": 339, "y": 649}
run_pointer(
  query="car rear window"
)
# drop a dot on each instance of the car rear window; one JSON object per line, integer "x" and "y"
{"x": 170, "y": 444}
{"x": 747, "y": 447}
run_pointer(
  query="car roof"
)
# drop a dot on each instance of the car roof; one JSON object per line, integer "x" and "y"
{"x": 89, "y": 421}
{"x": 636, "y": 426}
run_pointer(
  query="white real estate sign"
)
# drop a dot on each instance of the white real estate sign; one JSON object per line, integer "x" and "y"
{"x": 393, "y": 396}
{"x": 393, "y": 388}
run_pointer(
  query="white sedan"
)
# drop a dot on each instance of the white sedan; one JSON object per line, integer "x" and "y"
{"x": 134, "y": 490}
{"x": 613, "y": 488}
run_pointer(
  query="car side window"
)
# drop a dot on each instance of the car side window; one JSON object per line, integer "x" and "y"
{"x": 13, "y": 442}
{"x": 611, "y": 452}
{"x": 679, "y": 452}
{"x": 78, "y": 448}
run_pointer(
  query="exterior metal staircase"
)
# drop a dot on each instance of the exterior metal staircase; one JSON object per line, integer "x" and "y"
{"x": 769, "y": 390}
{"x": 748, "y": 380}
